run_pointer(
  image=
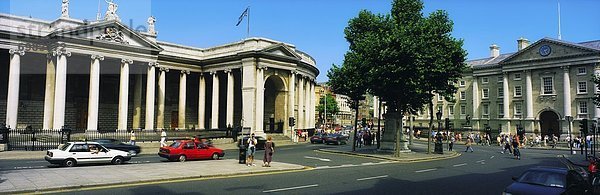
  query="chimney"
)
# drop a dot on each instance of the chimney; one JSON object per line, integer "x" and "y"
{"x": 522, "y": 43}
{"x": 494, "y": 51}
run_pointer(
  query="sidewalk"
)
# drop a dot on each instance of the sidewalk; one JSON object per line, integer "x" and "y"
{"x": 102, "y": 175}
{"x": 418, "y": 152}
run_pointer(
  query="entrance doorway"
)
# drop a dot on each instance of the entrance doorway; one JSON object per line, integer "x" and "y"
{"x": 275, "y": 105}
{"x": 549, "y": 123}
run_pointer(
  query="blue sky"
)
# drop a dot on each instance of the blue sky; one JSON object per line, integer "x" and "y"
{"x": 316, "y": 26}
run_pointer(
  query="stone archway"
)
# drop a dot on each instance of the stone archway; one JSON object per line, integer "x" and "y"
{"x": 549, "y": 123}
{"x": 275, "y": 105}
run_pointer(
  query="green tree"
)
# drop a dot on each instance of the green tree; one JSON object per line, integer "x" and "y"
{"x": 401, "y": 55}
{"x": 332, "y": 106}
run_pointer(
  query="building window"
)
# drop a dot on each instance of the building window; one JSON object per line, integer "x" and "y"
{"x": 518, "y": 91}
{"x": 440, "y": 97}
{"x": 486, "y": 110}
{"x": 486, "y": 93}
{"x": 463, "y": 110}
{"x": 581, "y": 71}
{"x": 500, "y": 92}
{"x": 547, "y": 86}
{"x": 517, "y": 76}
{"x": 440, "y": 108}
{"x": 518, "y": 108}
{"x": 462, "y": 83}
{"x": 463, "y": 95}
{"x": 485, "y": 80}
{"x": 581, "y": 87}
{"x": 500, "y": 79}
{"x": 450, "y": 110}
{"x": 583, "y": 110}
{"x": 500, "y": 110}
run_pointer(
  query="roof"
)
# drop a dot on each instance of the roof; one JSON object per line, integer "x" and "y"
{"x": 487, "y": 62}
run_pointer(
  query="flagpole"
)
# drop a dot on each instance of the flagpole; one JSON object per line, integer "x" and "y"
{"x": 248, "y": 26}
{"x": 559, "y": 33}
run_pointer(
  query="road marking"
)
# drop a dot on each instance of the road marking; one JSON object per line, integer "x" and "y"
{"x": 491, "y": 157}
{"x": 322, "y": 167}
{"x": 30, "y": 167}
{"x": 375, "y": 177}
{"x": 316, "y": 158}
{"x": 291, "y": 188}
{"x": 480, "y": 161}
{"x": 425, "y": 170}
{"x": 459, "y": 165}
{"x": 368, "y": 163}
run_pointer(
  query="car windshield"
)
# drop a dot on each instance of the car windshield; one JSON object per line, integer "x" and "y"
{"x": 64, "y": 146}
{"x": 543, "y": 178}
{"x": 175, "y": 144}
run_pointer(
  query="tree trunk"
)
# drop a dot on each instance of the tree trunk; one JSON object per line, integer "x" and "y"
{"x": 355, "y": 126}
{"x": 430, "y": 127}
{"x": 400, "y": 142}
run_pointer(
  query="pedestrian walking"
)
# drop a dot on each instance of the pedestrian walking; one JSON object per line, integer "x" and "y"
{"x": 132, "y": 138}
{"x": 163, "y": 138}
{"x": 507, "y": 143}
{"x": 515, "y": 145}
{"x": 251, "y": 150}
{"x": 468, "y": 144}
{"x": 451, "y": 144}
{"x": 269, "y": 150}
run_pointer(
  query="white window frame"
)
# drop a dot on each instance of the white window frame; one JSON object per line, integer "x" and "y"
{"x": 518, "y": 112}
{"x": 581, "y": 113}
{"x": 462, "y": 83}
{"x": 463, "y": 109}
{"x": 500, "y": 92}
{"x": 483, "y": 93}
{"x": 500, "y": 110}
{"x": 517, "y": 78}
{"x": 500, "y": 79}
{"x": 440, "y": 108}
{"x": 450, "y": 110}
{"x": 440, "y": 97}
{"x": 463, "y": 95}
{"x": 520, "y": 91}
{"x": 486, "y": 110}
{"x": 581, "y": 73}
{"x": 485, "y": 80}
{"x": 542, "y": 91}
{"x": 579, "y": 90}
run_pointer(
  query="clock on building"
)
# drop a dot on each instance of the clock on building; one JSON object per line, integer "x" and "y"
{"x": 545, "y": 50}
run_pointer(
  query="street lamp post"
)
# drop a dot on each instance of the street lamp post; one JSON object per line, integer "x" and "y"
{"x": 439, "y": 118}
{"x": 569, "y": 120}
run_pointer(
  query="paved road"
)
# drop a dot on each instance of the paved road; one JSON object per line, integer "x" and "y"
{"x": 486, "y": 171}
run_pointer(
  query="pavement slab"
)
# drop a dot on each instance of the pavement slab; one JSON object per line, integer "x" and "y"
{"x": 101, "y": 175}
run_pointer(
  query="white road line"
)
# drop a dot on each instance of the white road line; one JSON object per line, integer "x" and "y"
{"x": 29, "y": 167}
{"x": 458, "y": 165}
{"x": 367, "y": 163}
{"x": 321, "y": 159}
{"x": 375, "y": 177}
{"x": 323, "y": 167}
{"x": 291, "y": 188}
{"x": 479, "y": 161}
{"x": 491, "y": 157}
{"x": 347, "y": 165}
{"x": 425, "y": 170}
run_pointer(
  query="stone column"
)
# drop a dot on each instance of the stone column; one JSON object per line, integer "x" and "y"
{"x": 201, "y": 102}
{"x": 230, "y": 96}
{"x": 505, "y": 100}
{"x": 260, "y": 100}
{"x": 160, "y": 116}
{"x": 60, "y": 87}
{"x": 476, "y": 97}
{"x": 307, "y": 104}
{"x": 123, "y": 94}
{"x": 301, "y": 95}
{"x": 529, "y": 95}
{"x": 12, "y": 101}
{"x": 94, "y": 92}
{"x": 566, "y": 91}
{"x": 214, "y": 124}
{"x": 291, "y": 97}
{"x": 49, "y": 92}
{"x": 150, "y": 94}
{"x": 596, "y": 89}
{"x": 182, "y": 98}
{"x": 248, "y": 93}
{"x": 137, "y": 102}
{"x": 311, "y": 114}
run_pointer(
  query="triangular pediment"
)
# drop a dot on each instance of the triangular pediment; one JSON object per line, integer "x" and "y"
{"x": 548, "y": 48}
{"x": 109, "y": 32}
{"x": 281, "y": 50}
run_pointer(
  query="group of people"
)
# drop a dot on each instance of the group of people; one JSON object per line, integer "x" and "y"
{"x": 511, "y": 143}
{"x": 365, "y": 138}
{"x": 251, "y": 151}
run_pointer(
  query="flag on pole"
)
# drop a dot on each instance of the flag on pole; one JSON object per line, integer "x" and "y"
{"x": 244, "y": 14}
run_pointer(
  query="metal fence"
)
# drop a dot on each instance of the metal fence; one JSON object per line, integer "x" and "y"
{"x": 44, "y": 139}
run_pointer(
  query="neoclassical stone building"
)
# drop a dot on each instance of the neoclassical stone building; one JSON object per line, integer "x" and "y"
{"x": 104, "y": 75}
{"x": 535, "y": 87}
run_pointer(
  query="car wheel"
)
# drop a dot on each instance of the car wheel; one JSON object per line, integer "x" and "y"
{"x": 117, "y": 160}
{"x": 132, "y": 152}
{"x": 215, "y": 156}
{"x": 70, "y": 163}
{"x": 182, "y": 158}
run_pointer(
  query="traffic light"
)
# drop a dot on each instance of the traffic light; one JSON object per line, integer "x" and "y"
{"x": 364, "y": 122}
{"x": 583, "y": 126}
{"x": 447, "y": 123}
{"x": 520, "y": 130}
{"x": 292, "y": 121}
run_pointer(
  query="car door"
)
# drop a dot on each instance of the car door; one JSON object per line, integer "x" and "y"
{"x": 102, "y": 156}
{"x": 189, "y": 150}
{"x": 81, "y": 153}
{"x": 203, "y": 151}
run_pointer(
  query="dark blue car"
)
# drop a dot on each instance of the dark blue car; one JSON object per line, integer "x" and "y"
{"x": 539, "y": 180}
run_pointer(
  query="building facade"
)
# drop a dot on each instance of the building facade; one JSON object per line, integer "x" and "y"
{"x": 104, "y": 75}
{"x": 535, "y": 87}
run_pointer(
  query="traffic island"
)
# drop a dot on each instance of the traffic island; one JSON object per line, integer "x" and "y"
{"x": 64, "y": 179}
{"x": 415, "y": 155}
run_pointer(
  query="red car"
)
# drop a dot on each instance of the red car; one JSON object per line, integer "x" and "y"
{"x": 183, "y": 150}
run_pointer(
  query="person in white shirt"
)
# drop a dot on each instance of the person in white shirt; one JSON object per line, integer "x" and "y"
{"x": 251, "y": 150}
{"x": 163, "y": 138}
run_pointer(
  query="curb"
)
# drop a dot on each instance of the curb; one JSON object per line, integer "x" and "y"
{"x": 454, "y": 155}
{"x": 146, "y": 182}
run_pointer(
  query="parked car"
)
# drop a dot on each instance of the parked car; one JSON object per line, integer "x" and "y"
{"x": 548, "y": 181}
{"x": 183, "y": 150}
{"x": 260, "y": 142}
{"x": 318, "y": 138}
{"x": 74, "y": 153}
{"x": 336, "y": 138}
{"x": 118, "y": 145}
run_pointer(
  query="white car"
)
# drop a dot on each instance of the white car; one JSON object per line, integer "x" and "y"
{"x": 73, "y": 153}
